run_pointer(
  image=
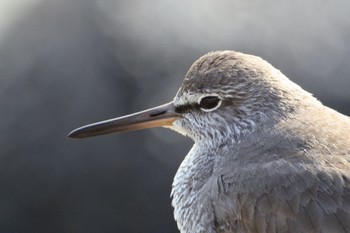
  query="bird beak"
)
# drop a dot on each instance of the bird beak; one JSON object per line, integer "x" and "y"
{"x": 163, "y": 115}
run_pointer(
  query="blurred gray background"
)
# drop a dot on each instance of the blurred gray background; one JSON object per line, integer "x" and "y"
{"x": 67, "y": 63}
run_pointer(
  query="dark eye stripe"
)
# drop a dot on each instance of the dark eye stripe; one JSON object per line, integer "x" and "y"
{"x": 186, "y": 108}
{"x": 211, "y": 102}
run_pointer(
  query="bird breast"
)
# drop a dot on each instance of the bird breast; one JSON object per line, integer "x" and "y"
{"x": 191, "y": 202}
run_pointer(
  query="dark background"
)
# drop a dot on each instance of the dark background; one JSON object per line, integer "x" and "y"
{"x": 67, "y": 63}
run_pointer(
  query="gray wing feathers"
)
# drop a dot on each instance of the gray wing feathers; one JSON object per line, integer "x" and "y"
{"x": 309, "y": 204}
{"x": 306, "y": 202}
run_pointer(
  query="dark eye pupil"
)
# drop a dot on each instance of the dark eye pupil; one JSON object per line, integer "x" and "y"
{"x": 209, "y": 102}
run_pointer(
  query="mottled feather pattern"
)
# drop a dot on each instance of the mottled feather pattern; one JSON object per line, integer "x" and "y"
{"x": 270, "y": 159}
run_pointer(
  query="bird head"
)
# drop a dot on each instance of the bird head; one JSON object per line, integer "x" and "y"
{"x": 224, "y": 96}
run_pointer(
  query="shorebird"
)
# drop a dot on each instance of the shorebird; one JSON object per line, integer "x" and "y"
{"x": 267, "y": 155}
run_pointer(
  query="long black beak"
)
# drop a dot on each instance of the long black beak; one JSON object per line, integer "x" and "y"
{"x": 163, "y": 115}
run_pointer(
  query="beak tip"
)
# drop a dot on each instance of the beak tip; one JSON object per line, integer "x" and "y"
{"x": 74, "y": 135}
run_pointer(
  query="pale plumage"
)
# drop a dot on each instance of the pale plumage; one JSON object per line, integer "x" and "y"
{"x": 268, "y": 157}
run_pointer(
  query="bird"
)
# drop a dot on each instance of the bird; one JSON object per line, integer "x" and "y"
{"x": 267, "y": 155}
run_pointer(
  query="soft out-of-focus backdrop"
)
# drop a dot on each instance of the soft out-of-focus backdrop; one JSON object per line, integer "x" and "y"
{"x": 67, "y": 63}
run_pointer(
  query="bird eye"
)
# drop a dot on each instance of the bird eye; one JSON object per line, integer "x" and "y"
{"x": 209, "y": 103}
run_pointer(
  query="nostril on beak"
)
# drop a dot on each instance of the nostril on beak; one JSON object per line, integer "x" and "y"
{"x": 157, "y": 113}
